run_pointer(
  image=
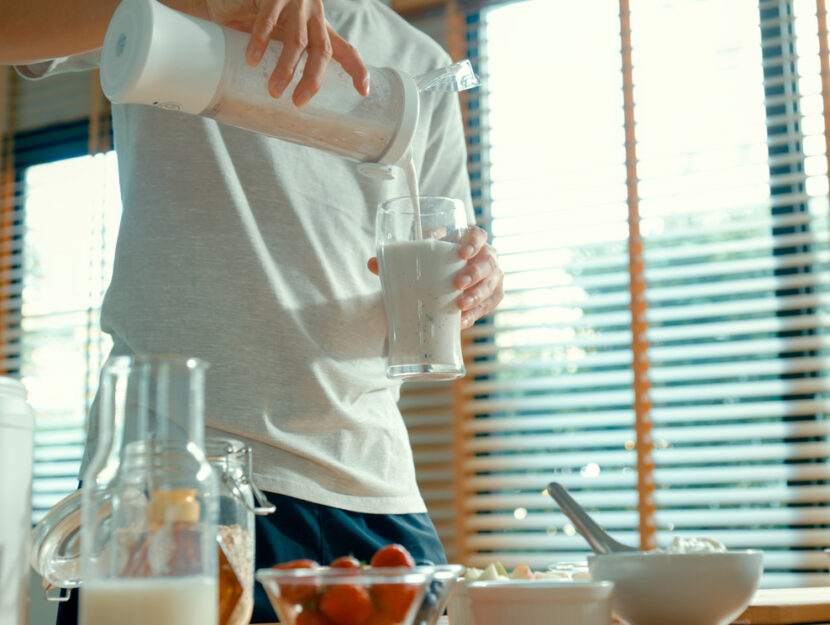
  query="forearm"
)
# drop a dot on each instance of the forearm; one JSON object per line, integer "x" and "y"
{"x": 33, "y": 30}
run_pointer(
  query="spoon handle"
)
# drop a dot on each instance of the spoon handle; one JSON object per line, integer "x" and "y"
{"x": 597, "y": 538}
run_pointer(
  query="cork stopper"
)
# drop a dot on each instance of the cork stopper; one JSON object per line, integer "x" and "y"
{"x": 173, "y": 506}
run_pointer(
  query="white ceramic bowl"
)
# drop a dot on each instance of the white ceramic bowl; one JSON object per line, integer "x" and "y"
{"x": 438, "y": 593}
{"x": 531, "y": 602}
{"x": 679, "y": 588}
{"x": 458, "y": 606}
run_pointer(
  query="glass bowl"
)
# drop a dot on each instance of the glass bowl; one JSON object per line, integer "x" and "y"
{"x": 341, "y": 596}
{"x": 437, "y": 593}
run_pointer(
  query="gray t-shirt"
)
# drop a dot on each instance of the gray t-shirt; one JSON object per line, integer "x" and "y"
{"x": 250, "y": 253}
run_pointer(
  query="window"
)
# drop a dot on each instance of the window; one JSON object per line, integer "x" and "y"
{"x": 705, "y": 212}
{"x": 657, "y": 186}
{"x": 71, "y": 212}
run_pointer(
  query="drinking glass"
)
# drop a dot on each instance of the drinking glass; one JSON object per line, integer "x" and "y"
{"x": 418, "y": 256}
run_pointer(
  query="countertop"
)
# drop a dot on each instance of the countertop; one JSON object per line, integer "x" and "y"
{"x": 775, "y": 606}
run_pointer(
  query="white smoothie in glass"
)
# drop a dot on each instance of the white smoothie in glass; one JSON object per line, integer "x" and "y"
{"x": 420, "y": 300}
{"x": 150, "y": 601}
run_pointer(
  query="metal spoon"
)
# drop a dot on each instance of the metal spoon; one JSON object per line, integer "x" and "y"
{"x": 597, "y": 538}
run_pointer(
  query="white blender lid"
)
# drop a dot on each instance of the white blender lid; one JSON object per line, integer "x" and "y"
{"x": 397, "y": 153}
{"x": 155, "y": 55}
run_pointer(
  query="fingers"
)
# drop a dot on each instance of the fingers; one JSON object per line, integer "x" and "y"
{"x": 473, "y": 240}
{"x": 481, "y": 299}
{"x": 263, "y": 29}
{"x": 482, "y": 285}
{"x": 483, "y": 264}
{"x": 294, "y": 37}
{"x": 319, "y": 54}
{"x": 347, "y": 55}
{"x": 301, "y": 26}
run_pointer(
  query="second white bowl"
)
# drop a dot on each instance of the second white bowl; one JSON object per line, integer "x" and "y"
{"x": 531, "y": 602}
{"x": 653, "y": 588}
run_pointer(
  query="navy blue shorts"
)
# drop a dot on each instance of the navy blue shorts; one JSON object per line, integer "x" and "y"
{"x": 300, "y": 529}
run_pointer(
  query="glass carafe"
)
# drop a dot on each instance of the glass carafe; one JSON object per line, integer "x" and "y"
{"x": 149, "y": 499}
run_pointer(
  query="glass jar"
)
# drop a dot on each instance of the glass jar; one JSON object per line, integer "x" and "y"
{"x": 239, "y": 501}
{"x": 55, "y": 542}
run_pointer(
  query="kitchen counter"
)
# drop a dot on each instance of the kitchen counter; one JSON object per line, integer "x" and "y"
{"x": 787, "y": 606}
{"x": 776, "y": 606}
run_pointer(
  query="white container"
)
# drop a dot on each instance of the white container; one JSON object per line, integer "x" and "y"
{"x": 531, "y": 602}
{"x": 17, "y": 426}
{"x": 458, "y": 607}
{"x": 158, "y": 56}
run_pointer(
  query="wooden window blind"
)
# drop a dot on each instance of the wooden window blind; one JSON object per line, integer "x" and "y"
{"x": 654, "y": 176}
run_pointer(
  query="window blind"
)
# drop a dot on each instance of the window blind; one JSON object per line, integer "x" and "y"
{"x": 737, "y": 263}
{"x": 60, "y": 216}
{"x": 430, "y": 410}
{"x": 716, "y": 188}
{"x": 71, "y": 211}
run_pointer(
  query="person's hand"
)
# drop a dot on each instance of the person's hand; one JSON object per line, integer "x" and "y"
{"x": 481, "y": 282}
{"x": 301, "y": 26}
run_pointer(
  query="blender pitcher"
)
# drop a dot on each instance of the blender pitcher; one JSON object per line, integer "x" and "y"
{"x": 155, "y": 55}
{"x": 149, "y": 499}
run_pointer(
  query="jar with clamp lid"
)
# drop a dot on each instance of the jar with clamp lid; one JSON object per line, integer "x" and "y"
{"x": 239, "y": 501}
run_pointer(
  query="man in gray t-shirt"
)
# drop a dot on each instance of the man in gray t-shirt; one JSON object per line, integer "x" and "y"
{"x": 251, "y": 253}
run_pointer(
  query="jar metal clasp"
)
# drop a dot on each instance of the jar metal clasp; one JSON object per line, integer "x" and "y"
{"x": 263, "y": 506}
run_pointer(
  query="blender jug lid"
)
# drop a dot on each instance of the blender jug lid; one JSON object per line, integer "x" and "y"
{"x": 155, "y": 55}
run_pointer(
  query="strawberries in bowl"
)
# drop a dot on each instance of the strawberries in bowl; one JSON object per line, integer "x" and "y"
{"x": 387, "y": 592}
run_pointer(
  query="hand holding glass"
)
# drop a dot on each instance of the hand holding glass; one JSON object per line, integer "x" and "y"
{"x": 418, "y": 257}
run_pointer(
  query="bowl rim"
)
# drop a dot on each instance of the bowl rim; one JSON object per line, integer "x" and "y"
{"x": 448, "y": 568}
{"x": 558, "y": 591}
{"x": 638, "y": 555}
{"x": 538, "y": 583}
{"x": 364, "y": 576}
